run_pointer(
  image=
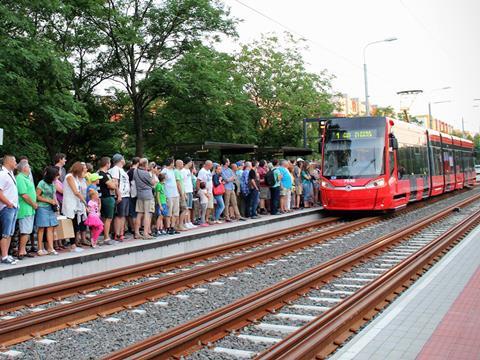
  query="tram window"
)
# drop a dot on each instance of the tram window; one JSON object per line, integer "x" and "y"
{"x": 402, "y": 159}
{"x": 437, "y": 161}
{"x": 458, "y": 162}
{"x": 448, "y": 162}
{"x": 463, "y": 155}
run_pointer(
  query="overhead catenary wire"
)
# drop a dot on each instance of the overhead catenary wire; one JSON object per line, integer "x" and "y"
{"x": 314, "y": 42}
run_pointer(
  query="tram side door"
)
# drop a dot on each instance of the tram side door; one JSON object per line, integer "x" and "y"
{"x": 394, "y": 175}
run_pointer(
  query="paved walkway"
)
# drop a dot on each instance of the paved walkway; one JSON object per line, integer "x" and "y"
{"x": 437, "y": 318}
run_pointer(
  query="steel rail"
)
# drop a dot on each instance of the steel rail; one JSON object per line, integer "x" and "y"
{"x": 321, "y": 336}
{"x": 45, "y": 293}
{"x": 190, "y": 336}
{"x": 54, "y": 318}
{"x": 57, "y": 291}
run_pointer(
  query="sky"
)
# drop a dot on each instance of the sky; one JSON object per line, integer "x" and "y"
{"x": 438, "y": 46}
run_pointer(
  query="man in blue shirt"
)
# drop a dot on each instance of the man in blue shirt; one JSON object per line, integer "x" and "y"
{"x": 285, "y": 185}
{"x": 229, "y": 196}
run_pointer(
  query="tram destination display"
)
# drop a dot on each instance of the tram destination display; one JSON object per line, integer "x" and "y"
{"x": 353, "y": 134}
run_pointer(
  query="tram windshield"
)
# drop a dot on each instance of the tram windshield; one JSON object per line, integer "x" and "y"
{"x": 354, "y": 148}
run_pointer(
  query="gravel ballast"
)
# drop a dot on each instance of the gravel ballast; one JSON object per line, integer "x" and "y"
{"x": 107, "y": 336}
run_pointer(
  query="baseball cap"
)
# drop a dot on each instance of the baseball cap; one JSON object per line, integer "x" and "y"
{"x": 93, "y": 177}
{"x": 116, "y": 158}
{"x": 300, "y": 160}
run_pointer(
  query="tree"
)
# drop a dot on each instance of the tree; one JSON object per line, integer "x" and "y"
{"x": 200, "y": 98}
{"x": 37, "y": 108}
{"x": 282, "y": 89}
{"x": 388, "y": 111}
{"x": 147, "y": 35}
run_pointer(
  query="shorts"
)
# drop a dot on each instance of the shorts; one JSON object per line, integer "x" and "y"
{"x": 189, "y": 200}
{"x": 123, "y": 207}
{"x": 132, "y": 207}
{"x": 45, "y": 217}
{"x": 173, "y": 204}
{"x": 26, "y": 225}
{"x": 210, "y": 202}
{"x": 108, "y": 207}
{"x": 283, "y": 192}
{"x": 183, "y": 204}
{"x": 145, "y": 205}
{"x": 8, "y": 217}
{"x": 265, "y": 193}
{"x": 164, "y": 212}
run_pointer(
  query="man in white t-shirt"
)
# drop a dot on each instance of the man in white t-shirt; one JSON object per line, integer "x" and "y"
{"x": 188, "y": 185}
{"x": 122, "y": 182}
{"x": 8, "y": 206}
{"x": 173, "y": 197}
{"x": 205, "y": 175}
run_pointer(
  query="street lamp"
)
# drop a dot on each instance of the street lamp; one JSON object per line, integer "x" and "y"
{"x": 430, "y": 102}
{"x": 476, "y": 106}
{"x": 367, "y": 105}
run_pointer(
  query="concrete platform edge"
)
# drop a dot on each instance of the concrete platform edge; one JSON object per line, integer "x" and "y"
{"x": 75, "y": 265}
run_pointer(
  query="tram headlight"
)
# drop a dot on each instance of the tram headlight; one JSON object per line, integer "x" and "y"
{"x": 375, "y": 183}
{"x": 326, "y": 184}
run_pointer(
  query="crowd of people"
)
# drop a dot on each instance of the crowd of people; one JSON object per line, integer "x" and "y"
{"x": 141, "y": 198}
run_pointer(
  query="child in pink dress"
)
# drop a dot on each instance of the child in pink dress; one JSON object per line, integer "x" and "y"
{"x": 94, "y": 222}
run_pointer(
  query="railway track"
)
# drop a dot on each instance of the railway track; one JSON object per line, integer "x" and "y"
{"x": 56, "y": 292}
{"x": 54, "y": 318}
{"x": 345, "y": 291}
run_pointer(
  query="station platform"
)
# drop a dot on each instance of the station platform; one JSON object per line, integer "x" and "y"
{"x": 436, "y": 318}
{"x": 31, "y": 272}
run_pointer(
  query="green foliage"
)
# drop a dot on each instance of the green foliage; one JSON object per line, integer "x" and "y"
{"x": 36, "y": 104}
{"x": 282, "y": 89}
{"x": 146, "y": 36}
{"x": 388, "y": 111}
{"x": 201, "y": 98}
{"x": 168, "y": 85}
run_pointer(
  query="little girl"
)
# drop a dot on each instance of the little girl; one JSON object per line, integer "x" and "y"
{"x": 93, "y": 220}
{"x": 204, "y": 197}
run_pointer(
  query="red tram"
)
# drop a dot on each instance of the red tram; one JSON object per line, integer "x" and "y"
{"x": 377, "y": 163}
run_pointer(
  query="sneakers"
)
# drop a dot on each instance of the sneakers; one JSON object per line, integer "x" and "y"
{"x": 110, "y": 242}
{"x": 9, "y": 260}
{"x": 204, "y": 225}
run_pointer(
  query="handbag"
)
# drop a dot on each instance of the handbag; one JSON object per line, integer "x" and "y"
{"x": 219, "y": 190}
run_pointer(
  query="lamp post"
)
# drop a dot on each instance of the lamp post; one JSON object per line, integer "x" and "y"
{"x": 367, "y": 105}
{"x": 430, "y": 102}
{"x": 476, "y": 106}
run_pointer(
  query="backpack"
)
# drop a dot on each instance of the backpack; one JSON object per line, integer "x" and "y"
{"x": 270, "y": 178}
{"x": 244, "y": 188}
